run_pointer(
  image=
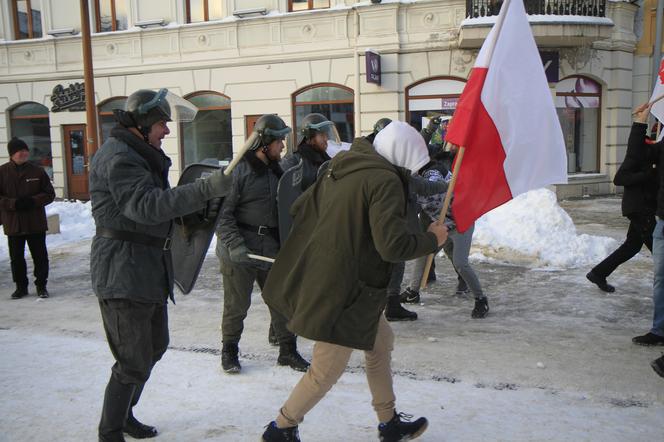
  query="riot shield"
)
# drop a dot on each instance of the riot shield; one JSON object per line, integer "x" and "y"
{"x": 192, "y": 234}
{"x": 289, "y": 188}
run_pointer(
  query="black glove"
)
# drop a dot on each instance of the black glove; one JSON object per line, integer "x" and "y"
{"x": 238, "y": 254}
{"x": 24, "y": 203}
{"x": 218, "y": 184}
{"x": 212, "y": 209}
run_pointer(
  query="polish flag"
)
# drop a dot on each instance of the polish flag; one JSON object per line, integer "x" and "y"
{"x": 506, "y": 121}
{"x": 657, "y": 108}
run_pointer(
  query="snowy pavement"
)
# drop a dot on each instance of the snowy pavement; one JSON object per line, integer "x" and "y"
{"x": 553, "y": 361}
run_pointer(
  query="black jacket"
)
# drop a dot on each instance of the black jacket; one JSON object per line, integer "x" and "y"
{"x": 637, "y": 174}
{"x": 312, "y": 160}
{"x": 26, "y": 180}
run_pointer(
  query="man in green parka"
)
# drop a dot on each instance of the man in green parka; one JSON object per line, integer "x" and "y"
{"x": 330, "y": 276}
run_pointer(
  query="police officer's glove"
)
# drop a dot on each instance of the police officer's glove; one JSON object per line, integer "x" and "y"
{"x": 24, "y": 203}
{"x": 217, "y": 184}
{"x": 238, "y": 254}
{"x": 212, "y": 209}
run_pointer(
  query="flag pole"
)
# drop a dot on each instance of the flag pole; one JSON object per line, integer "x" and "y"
{"x": 443, "y": 212}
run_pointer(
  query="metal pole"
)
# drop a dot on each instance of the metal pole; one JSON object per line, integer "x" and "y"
{"x": 90, "y": 107}
{"x": 657, "y": 53}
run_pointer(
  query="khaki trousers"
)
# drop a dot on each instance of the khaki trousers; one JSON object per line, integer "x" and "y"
{"x": 328, "y": 363}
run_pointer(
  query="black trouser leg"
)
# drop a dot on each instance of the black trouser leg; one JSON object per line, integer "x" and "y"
{"x": 646, "y": 227}
{"x": 629, "y": 248}
{"x": 16, "y": 255}
{"x": 117, "y": 399}
{"x": 37, "y": 245}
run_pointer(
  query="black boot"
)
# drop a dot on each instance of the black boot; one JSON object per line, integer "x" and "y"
{"x": 229, "y": 358}
{"x": 42, "y": 292}
{"x": 20, "y": 292}
{"x": 395, "y": 312}
{"x": 289, "y": 356}
{"x": 600, "y": 282}
{"x": 274, "y": 434}
{"x": 658, "y": 366}
{"x": 409, "y": 296}
{"x": 272, "y": 337}
{"x": 117, "y": 400}
{"x": 462, "y": 287}
{"x": 398, "y": 430}
{"x": 133, "y": 426}
{"x": 481, "y": 308}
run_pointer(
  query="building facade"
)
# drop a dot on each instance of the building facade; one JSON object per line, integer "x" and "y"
{"x": 355, "y": 61}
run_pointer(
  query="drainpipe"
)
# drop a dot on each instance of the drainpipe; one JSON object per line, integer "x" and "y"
{"x": 357, "y": 101}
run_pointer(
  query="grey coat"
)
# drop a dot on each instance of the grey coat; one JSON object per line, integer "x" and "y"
{"x": 252, "y": 201}
{"x": 129, "y": 191}
{"x": 312, "y": 159}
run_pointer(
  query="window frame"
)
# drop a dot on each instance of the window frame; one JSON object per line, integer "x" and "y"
{"x": 98, "y": 16}
{"x": 409, "y": 97}
{"x": 206, "y": 12}
{"x": 12, "y": 117}
{"x": 17, "y": 30}
{"x": 101, "y": 114}
{"x": 310, "y": 6}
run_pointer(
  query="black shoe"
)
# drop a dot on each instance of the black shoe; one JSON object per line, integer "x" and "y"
{"x": 600, "y": 282}
{"x": 648, "y": 339}
{"x": 42, "y": 292}
{"x": 658, "y": 366}
{"x": 117, "y": 400}
{"x": 138, "y": 430}
{"x": 19, "y": 293}
{"x": 410, "y": 296}
{"x": 395, "y": 312}
{"x": 462, "y": 287}
{"x": 481, "y": 308}
{"x": 401, "y": 429}
{"x": 272, "y": 337}
{"x": 229, "y": 358}
{"x": 274, "y": 434}
{"x": 289, "y": 356}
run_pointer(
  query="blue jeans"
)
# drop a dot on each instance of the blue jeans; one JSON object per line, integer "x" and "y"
{"x": 658, "y": 288}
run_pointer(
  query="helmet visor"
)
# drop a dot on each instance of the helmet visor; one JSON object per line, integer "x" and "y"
{"x": 328, "y": 128}
{"x": 173, "y": 106}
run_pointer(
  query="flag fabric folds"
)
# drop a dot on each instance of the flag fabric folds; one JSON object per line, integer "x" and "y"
{"x": 506, "y": 121}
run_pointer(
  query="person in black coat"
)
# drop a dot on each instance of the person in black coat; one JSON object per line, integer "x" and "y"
{"x": 640, "y": 179}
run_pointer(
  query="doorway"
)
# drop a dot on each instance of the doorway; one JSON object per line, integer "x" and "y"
{"x": 77, "y": 162}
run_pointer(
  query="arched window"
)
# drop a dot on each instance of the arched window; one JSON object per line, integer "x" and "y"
{"x": 106, "y": 118}
{"x": 29, "y": 122}
{"x": 432, "y": 97}
{"x": 209, "y": 137}
{"x": 578, "y": 106}
{"x": 332, "y": 100}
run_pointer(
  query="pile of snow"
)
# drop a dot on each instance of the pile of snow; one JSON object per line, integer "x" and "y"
{"x": 76, "y": 224}
{"x": 534, "y": 231}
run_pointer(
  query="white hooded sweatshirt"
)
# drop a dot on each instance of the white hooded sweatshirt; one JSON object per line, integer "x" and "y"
{"x": 402, "y": 145}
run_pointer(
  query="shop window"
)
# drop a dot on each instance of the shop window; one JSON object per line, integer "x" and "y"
{"x": 29, "y": 122}
{"x": 332, "y": 100}
{"x": 209, "y": 138}
{"x": 111, "y": 15}
{"x": 203, "y": 10}
{"x": 578, "y": 106}
{"x": 106, "y": 119}
{"x": 431, "y": 98}
{"x": 26, "y": 15}
{"x": 304, "y": 5}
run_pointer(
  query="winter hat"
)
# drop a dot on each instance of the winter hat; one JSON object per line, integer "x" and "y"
{"x": 16, "y": 145}
{"x": 402, "y": 145}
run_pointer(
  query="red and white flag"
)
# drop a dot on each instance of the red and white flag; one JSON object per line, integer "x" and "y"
{"x": 657, "y": 109}
{"x": 506, "y": 121}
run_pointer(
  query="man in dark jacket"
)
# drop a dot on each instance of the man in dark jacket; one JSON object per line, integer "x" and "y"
{"x": 24, "y": 191}
{"x": 639, "y": 202}
{"x": 314, "y": 134}
{"x": 248, "y": 224}
{"x": 130, "y": 261}
{"x": 331, "y": 275}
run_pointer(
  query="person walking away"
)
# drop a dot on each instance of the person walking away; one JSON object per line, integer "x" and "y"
{"x": 130, "y": 260}
{"x": 25, "y": 189}
{"x": 331, "y": 275}
{"x": 249, "y": 224}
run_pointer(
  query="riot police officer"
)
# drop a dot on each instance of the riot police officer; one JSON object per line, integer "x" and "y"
{"x": 248, "y": 224}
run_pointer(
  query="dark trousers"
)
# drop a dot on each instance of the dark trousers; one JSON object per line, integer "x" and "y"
{"x": 137, "y": 335}
{"x": 639, "y": 233}
{"x": 37, "y": 245}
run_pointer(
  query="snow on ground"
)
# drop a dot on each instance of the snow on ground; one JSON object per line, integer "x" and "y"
{"x": 552, "y": 361}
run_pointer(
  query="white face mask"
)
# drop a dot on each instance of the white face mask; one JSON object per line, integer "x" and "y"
{"x": 402, "y": 145}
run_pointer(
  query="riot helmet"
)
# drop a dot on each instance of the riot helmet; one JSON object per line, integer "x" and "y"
{"x": 146, "y": 107}
{"x": 316, "y": 123}
{"x": 380, "y": 125}
{"x": 267, "y": 129}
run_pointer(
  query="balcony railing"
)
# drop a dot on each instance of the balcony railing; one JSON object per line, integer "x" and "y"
{"x": 587, "y": 8}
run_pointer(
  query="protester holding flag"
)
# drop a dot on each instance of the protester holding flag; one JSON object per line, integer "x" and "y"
{"x": 656, "y": 334}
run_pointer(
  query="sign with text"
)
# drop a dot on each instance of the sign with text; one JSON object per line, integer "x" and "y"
{"x": 71, "y": 98}
{"x": 373, "y": 67}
